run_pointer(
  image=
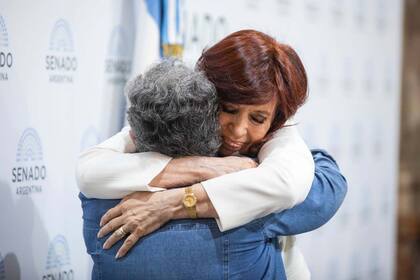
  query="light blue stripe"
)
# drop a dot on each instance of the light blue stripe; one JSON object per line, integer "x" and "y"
{"x": 164, "y": 38}
{"x": 177, "y": 18}
{"x": 153, "y": 7}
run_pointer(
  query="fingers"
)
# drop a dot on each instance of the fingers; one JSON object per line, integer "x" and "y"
{"x": 134, "y": 217}
{"x": 128, "y": 244}
{"x": 115, "y": 237}
{"x": 252, "y": 163}
{"x": 136, "y": 234}
{"x": 110, "y": 214}
{"x": 112, "y": 225}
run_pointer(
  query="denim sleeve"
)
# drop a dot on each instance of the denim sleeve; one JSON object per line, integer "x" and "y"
{"x": 325, "y": 197}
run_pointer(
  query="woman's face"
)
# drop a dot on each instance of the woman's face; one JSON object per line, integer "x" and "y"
{"x": 244, "y": 125}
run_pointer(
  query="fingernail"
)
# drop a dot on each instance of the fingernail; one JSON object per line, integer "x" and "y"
{"x": 105, "y": 246}
{"x": 99, "y": 235}
{"x": 117, "y": 256}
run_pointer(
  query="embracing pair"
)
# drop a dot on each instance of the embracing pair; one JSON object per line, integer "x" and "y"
{"x": 213, "y": 175}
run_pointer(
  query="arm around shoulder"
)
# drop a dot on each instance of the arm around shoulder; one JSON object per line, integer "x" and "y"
{"x": 112, "y": 170}
{"x": 327, "y": 194}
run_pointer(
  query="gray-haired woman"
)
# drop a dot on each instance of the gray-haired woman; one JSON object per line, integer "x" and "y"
{"x": 174, "y": 111}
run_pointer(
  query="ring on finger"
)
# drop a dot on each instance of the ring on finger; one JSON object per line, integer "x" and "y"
{"x": 121, "y": 232}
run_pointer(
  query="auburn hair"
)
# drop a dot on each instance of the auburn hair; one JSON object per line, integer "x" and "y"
{"x": 251, "y": 67}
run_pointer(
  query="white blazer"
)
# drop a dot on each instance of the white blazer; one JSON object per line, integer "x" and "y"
{"x": 283, "y": 178}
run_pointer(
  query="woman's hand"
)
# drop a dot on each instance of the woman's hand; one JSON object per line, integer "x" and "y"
{"x": 137, "y": 215}
{"x": 190, "y": 170}
{"x": 230, "y": 164}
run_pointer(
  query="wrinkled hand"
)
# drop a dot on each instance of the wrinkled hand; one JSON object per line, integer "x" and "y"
{"x": 137, "y": 215}
{"x": 241, "y": 162}
{"x": 230, "y": 164}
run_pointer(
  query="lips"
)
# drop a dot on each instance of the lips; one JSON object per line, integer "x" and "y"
{"x": 232, "y": 145}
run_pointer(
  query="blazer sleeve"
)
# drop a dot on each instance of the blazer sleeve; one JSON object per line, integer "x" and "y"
{"x": 327, "y": 193}
{"x": 112, "y": 169}
{"x": 282, "y": 180}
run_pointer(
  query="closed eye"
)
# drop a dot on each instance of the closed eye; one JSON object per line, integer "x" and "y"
{"x": 229, "y": 110}
{"x": 259, "y": 120}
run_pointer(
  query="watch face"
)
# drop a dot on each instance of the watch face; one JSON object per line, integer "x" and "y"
{"x": 190, "y": 200}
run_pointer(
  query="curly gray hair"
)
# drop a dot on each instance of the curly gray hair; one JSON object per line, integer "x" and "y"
{"x": 174, "y": 111}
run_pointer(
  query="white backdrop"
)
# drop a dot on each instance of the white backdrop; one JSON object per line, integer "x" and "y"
{"x": 62, "y": 69}
{"x": 61, "y": 93}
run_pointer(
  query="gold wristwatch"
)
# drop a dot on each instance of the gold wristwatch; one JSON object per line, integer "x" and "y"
{"x": 190, "y": 202}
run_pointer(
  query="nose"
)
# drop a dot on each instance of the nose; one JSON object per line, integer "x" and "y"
{"x": 238, "y": 127}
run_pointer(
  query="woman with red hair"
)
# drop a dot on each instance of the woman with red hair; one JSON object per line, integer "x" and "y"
{"x": 260, "y": 84}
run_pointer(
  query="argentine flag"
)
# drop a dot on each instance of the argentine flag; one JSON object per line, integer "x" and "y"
{"x": 172, "y": 30}
{"x": 147, "y": 35}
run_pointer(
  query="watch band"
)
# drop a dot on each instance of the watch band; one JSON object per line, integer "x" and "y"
{"x": 190, "y": 202}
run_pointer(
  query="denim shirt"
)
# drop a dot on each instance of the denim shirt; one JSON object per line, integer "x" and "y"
{"x": 196, "y": 249}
